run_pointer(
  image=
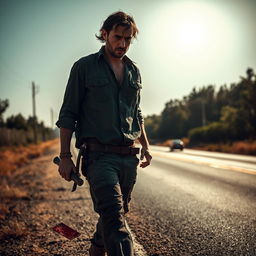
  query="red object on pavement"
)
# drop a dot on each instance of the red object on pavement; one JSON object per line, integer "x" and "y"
{"x": 66, "y": 231}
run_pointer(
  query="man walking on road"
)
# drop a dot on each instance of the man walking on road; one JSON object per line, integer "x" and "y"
{"x": 101, "y": 104}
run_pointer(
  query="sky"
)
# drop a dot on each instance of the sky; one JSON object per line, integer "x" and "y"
{"x": 181, "y": 44}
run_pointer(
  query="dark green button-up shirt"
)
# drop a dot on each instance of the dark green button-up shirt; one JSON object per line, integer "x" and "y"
{"x": 95, "y": 105}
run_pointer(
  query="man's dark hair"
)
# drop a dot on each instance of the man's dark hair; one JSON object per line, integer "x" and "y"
{"x": 118, "y": 19}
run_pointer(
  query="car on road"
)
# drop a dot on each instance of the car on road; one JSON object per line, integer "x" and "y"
{"x": 176, "y": 144}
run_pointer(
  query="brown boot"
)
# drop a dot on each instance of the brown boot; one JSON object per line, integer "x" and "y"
{"x": 96, "y": 251}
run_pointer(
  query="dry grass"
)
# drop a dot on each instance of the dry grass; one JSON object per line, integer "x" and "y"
{"x": 14, "y": 157}
{"x": 13, "y": 229}
{"x": 4, "y": 210}
{"x": 239, "y": 147}
{"x": 12, "y": 190}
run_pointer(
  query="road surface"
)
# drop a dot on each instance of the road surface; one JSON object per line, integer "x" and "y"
{"x": 196, "y": 203}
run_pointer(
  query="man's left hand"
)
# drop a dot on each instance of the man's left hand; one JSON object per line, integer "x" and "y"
{"x": 145, "y": 153}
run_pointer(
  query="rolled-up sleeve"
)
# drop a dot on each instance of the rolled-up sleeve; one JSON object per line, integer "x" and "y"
{"x": 140, "y": 116}
{"x": 74, "y": 93}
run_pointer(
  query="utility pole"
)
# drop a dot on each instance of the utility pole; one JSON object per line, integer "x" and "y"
{"x": 34, "y": 92}
{"x": 52, "y": 114}
{"x": 203, "y": 113}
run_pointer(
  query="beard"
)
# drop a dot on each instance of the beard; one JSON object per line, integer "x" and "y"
{"x": 118, "y": 52}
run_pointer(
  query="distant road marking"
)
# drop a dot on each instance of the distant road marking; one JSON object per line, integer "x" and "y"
{"x": 196, "y": 161}
{"x": 234, "y": 168}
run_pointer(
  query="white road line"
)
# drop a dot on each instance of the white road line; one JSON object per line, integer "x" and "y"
{"x": 138, "y": 248}
{"x": 219, "y": 164}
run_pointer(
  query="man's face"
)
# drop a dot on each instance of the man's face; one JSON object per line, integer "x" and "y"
{"x": 118, "y": 41}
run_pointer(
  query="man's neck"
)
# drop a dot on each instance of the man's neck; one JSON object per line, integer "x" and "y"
{"x": 112, "y": 60}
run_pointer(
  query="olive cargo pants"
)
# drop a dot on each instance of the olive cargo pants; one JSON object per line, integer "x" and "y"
{"x": 111, "y": 178}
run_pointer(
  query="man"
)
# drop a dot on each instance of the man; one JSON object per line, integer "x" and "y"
{"x": 101, "y": 104}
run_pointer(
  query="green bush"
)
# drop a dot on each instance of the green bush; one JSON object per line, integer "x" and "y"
{"x": 214, "y": 132}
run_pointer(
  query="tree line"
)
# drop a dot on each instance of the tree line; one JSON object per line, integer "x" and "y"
{"x": 17, "y": 130}
{"x": 207, "y": 115}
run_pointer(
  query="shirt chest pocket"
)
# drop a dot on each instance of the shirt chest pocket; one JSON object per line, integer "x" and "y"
{"x": 98, "y": 89}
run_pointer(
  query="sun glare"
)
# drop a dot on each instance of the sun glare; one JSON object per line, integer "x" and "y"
{"x": 191, "y": 35}
{"x": 192, "y": 29}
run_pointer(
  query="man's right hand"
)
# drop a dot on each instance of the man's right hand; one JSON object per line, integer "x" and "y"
{"x": 66, "y": 166}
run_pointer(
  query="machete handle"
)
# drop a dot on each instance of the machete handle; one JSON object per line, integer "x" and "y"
{"x": 73, "y": 175}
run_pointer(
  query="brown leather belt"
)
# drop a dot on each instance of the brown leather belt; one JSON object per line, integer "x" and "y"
{"x": 122, "y": 150}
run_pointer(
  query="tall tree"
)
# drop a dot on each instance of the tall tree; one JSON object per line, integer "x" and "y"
{"x": 16, "y": 122}
{"x": 4, "y": 104}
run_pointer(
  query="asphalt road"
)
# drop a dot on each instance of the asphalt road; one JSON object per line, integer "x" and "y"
{"x": 196, "y": 203}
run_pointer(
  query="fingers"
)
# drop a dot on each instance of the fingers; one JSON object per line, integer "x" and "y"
{"x": 144, "y": 164}
{"x": 65, "y": 174}
{"x": 147, "y": 162}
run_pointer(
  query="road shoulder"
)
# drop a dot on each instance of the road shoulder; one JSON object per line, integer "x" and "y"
{"x": 42, "y": 200}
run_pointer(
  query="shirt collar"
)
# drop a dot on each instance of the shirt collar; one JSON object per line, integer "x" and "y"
{"x": 100, "y": 55}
